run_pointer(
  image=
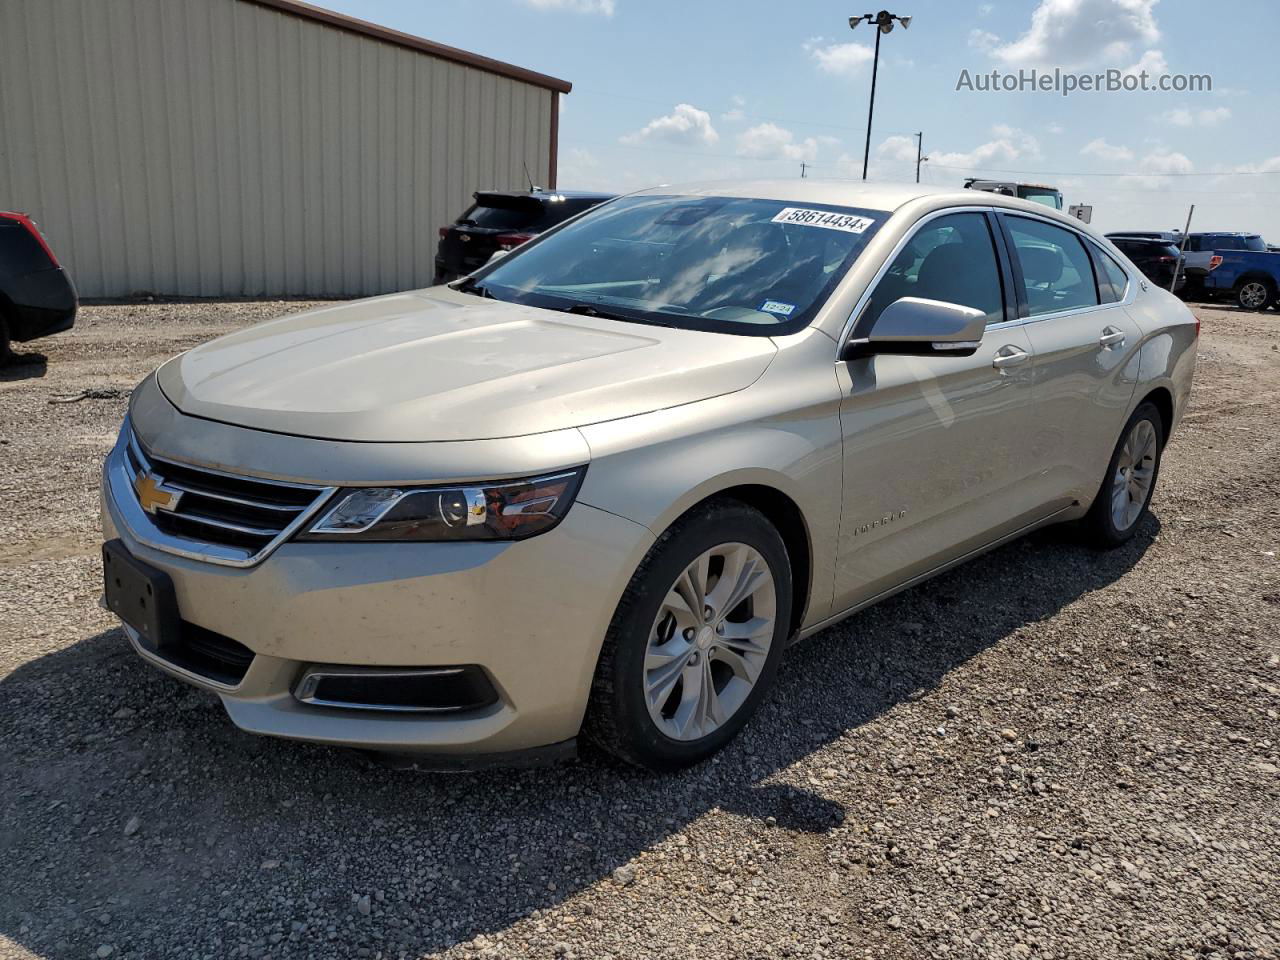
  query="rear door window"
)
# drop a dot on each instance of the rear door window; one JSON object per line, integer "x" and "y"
{"x": 1055, "y": 269}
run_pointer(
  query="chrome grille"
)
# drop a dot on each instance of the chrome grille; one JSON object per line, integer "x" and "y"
{"x": 241, "y": 517}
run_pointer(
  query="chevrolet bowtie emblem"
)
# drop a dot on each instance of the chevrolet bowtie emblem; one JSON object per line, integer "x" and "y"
{"x": 153, "y": 495}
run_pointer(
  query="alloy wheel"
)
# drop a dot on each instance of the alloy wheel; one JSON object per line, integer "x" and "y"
{"x": 709, "y": 641}
{"x": 1135, "y": 471}
{"x": 1253, "y": 295}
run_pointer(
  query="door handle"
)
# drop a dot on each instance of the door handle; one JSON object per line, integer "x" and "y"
{"x": 1009, "y": 356}
{"x": 1111, "y": 337}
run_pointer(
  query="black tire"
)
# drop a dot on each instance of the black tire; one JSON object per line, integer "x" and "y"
{"x": 617, "y": 719}
{"x": 6, "y": 352}
{"x": 1255, "y": 294}
{"x": 1099, "y": 527}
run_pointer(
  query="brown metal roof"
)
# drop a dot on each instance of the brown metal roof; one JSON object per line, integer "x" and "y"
{"x": 305, "y": 10}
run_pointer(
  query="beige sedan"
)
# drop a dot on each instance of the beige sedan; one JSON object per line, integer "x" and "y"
{"x": 598, "y": 486}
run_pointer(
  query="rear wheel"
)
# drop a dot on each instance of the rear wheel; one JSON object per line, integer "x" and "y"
{"x": 1126, "y": 490}
{"x": 1254, "y": 295}
{"x": 696, "y": 639}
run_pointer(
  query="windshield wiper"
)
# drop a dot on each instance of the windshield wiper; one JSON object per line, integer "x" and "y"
{"x": 472, "y": 286}
{"x": 589, "y": 310}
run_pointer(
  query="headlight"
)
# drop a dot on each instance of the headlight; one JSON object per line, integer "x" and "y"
{"x": 510, "y": 510}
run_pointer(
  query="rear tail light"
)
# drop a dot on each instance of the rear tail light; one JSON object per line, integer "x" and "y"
{"x": 509, "y": 241}
{"x": 32, "y": 229}
{"x": 1215, "y": 262}
{"x": 444, "y": 232}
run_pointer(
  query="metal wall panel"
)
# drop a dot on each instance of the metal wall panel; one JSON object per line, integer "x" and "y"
{"x": 222, "y": 148}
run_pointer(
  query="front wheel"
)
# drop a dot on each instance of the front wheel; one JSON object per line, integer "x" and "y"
{"x": 696, "y": 639}
{"x": 1254, "y": 295}
{"x": 1126, "y": 489}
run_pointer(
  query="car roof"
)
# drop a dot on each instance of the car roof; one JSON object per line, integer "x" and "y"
{"x": 870, "y": 194}
{"x": 1223, "y": 233}
{"x": 1129, "y": 238}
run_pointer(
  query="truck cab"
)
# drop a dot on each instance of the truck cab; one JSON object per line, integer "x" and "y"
{"x": 1035, "y": 192}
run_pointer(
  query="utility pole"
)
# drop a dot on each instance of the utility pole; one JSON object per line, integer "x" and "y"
{"x": 803, "y": 166}
{"x": 920, "y": 157}
{"x": 883, "y": 22}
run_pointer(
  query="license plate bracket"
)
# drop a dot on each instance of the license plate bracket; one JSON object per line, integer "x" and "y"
{"x": 140, "y": 595}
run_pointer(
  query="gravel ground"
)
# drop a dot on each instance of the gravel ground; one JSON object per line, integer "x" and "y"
{"x": 1047, "y": 753}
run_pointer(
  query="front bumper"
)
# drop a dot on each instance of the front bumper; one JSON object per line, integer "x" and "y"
{"x": 532, "y": 614}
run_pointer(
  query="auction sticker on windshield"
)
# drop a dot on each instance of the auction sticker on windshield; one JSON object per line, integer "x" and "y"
{"x": 823, "y": 218}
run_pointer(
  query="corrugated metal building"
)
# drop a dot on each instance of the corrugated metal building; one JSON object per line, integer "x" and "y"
{"x": 252, "y": 147}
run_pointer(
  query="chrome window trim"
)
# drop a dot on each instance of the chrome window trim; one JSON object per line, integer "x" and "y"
{"x": 1086, "y": 239}
{"x": 1127, "y": 300}
{"x": 129, "y": 514}
{"x": 861, "y": 305}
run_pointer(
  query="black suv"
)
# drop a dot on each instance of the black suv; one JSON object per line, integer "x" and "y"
{"x": 37, "y": 297}
{"x": 1156, "y": 258}
{"x": 501, "y": 220}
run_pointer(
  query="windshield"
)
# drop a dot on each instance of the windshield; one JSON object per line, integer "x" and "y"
{"x": 1050, "y": 198}
{"x": 729, "y": 264}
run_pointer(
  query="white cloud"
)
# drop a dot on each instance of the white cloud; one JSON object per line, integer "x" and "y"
{"x": 735, "y": 114}
{"x": 1270, "y": 165}
{"x": 1208, "y": 117}
{"x": 603, "y": 7}
{"x": 1167, "y": 161}
{"x": 1106, "y": 151}
{"x": 1055, "y": 128}
{"x": 1075, "y": 34}
{"x": 897, "y": 149}
{"x": 985, "y": 9}
{"x": 1152, "y": 62}
{"x": 983, "y": 40}
{"x": 1007, "y": 143}
{"x": 1157, "y": 162}
{"x": 839, "y": 59}
{"x": 770, "y": 141}
{"x": 686, "y": 125}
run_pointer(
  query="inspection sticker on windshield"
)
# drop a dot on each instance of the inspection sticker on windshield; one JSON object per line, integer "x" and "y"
{"x": 778, "y": 307}
{"x": 823, "y": 218}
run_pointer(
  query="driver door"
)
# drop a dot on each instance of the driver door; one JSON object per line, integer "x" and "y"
{"x": 935, "y": 464}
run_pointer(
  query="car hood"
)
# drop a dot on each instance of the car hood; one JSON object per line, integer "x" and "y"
{"x": 441, "y": 365}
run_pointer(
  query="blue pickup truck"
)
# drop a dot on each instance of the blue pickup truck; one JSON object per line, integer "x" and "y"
{"x": 1248, "y": 273}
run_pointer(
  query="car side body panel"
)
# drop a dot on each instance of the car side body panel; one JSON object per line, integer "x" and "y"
{"x": 782, "y": 433}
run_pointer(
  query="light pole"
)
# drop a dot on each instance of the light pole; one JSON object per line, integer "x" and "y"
{"x": 883, "y": 21}
{"x": 920, "y": 157}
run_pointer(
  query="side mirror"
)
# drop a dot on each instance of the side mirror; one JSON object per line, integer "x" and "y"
{"x": 921, "y": 327}
{"x": 496, "y": 256}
